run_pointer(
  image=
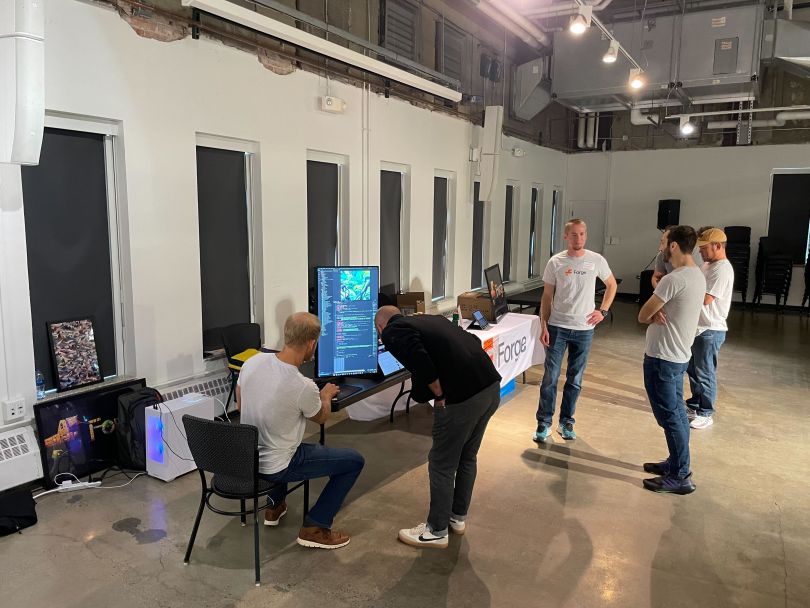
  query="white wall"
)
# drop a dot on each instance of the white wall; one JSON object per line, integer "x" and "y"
{"x": 162, "y": 95}
{"x": 719, "y": 187}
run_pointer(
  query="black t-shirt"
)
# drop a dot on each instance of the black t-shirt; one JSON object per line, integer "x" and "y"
{"x": 431, "y": 347}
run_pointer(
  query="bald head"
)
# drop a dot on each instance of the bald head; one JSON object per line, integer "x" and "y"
{"x": 384, "y": 315}
{"x": 301, "y": 328}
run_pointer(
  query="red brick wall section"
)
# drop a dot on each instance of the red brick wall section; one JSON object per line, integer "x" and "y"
{"x": 275, "y": 63}
{"x": 151, "y": 25}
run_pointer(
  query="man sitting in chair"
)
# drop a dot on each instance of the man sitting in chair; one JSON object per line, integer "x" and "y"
{"x": 275, "y": 397}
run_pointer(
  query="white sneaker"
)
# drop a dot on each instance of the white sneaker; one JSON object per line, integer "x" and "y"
{"x": 457, "y": 526}
{"x": 702, "y": 422}
{"x": 420, "y": 536}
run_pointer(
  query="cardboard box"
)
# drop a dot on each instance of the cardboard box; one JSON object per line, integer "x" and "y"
{"x": 411, "y": 303}
{"x": 476, "y": 300}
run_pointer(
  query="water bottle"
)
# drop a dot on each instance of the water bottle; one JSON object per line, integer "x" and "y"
{"x": 40, "y": 385}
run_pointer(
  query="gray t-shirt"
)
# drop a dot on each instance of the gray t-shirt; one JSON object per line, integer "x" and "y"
{"x": 661, "y": 265}
{"x": 682, "y": 292}
{"x": 720, "y": 284}
{"x": 276, "y": 399}
{"x": 574, "y": 281}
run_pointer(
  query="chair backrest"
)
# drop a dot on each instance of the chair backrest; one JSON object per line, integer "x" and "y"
{"x": 241, "y": 336}
{"x": 223, "y": 448}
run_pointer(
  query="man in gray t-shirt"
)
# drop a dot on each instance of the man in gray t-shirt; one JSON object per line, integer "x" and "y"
{"x": 277, "y": 399}
{"x": 672, "y": 313}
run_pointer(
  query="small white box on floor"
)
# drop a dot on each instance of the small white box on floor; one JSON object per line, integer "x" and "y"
{"x": 167, "y": 453}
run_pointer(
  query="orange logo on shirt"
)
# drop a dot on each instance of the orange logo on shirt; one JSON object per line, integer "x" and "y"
{"x": 569, "y": 272}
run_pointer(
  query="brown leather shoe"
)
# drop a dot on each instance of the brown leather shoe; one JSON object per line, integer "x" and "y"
{"x": 272, "y": 516}
{"x": 322, "y": 538}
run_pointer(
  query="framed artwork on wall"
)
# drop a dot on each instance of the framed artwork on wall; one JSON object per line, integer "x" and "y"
{"x": 74, "y": 354}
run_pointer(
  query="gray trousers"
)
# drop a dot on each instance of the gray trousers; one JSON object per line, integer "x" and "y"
{"x": 458, "y": 430}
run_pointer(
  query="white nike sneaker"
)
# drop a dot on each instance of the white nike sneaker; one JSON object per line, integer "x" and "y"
{"x": 420, "y": 536}
{"x": 457, "y": 526}
{"x": 702, "y": 422}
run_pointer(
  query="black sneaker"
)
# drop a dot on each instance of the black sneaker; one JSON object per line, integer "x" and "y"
{"x": 657, "y": 468}
{"x": 670, "y": 485}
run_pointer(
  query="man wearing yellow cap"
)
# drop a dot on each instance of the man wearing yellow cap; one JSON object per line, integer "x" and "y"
{"x": 712, "y": 328}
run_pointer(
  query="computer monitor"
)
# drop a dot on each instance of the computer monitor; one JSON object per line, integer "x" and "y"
{"x": 496, "y": 292}
{"x": 347, "y": 303}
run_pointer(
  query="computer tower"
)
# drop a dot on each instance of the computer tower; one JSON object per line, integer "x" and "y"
{"x": 167, "y": 453}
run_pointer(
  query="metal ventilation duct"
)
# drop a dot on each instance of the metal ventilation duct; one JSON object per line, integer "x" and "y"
{"x": 788, "y": 43}
{"x": 531, "y": 89}
{"x": 715, "y": 54}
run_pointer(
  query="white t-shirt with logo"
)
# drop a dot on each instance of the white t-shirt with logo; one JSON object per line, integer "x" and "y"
{"x": 720, "y": 284}
{"x": 276, "y": 399}
{"x": 682, "y": 292}
{"x": 574, "y": 281}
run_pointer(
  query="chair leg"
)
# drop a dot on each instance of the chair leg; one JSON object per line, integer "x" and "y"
{"x": 256, "y": 539}
{"x": 194, "y": 530}
{"x": 242, "y": 508}
{"x": 306, "y": 499}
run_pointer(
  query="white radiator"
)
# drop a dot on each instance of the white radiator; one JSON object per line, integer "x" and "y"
{"x": 19, "y": 458}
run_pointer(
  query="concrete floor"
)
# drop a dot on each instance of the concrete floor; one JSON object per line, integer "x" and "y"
{"x": 567, "y": 524}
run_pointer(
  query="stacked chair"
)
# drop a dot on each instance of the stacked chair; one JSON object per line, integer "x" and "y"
{"x": 738, "y": 250}
{"x": 774, "y": 271}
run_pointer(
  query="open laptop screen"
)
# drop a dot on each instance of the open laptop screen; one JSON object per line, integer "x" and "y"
{"x": 388, "y": 363}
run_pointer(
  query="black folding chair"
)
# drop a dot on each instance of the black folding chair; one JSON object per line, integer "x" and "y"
{"x": 231, "y": 453}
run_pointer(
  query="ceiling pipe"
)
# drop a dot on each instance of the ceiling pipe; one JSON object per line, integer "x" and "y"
{"x": 500, "y": 17}
{"x": 581, "y": 131}
{"x": 522, "y": 22}
{"x": 778, "y": 121}
{"x": 565, "y": 8}
{"x": 590, "y": 130}
{"x": 643, "y": 120}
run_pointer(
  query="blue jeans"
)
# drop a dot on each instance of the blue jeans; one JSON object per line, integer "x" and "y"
{"x": 702, "y": 371}
{"x": 341, "y": 465}
{"x": 664, "y": 383}
{"x": 578, "y": 343}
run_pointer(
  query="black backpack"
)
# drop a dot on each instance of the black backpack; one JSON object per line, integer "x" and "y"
{"x": 131, "y": 428}
{"x": 17, "y": 511}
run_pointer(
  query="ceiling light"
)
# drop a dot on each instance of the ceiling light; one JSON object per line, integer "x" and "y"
{"x": 687, "y": 128}
{"x": 636, "y": 80}
{"x": 581, "y": 21}
{"x": 612, "y": 53}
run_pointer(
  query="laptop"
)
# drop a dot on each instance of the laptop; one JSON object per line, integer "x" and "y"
{"x": 387, "y": 364}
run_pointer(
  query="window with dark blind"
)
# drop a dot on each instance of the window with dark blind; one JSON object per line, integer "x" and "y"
{"x": 68, "y": 243}
{"x": 390, "y": 232}
{"x": 789, "y": 217}
{"x": 534, "y": 232}
{"x": 556, "y": 220}
{"x": 401, "y": 33}
{"x": 223, "y": 211}
{"x": 477, "y": 272}
{"x": 323, "y": 182}
{"x": 507, "y": 234}
{"x": 439, "y": 283}
{"x": 451, "y": 45}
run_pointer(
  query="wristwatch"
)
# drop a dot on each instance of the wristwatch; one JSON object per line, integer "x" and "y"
{"x": 604, "y": 312}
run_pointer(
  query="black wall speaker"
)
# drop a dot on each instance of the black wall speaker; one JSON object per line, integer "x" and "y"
{"x": 669, "y": 210}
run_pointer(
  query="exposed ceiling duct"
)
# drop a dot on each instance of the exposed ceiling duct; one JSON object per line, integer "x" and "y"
{"x": 788, "y": 43}
{"x": 531, "y": 89}
{"x": 521, "y": 27}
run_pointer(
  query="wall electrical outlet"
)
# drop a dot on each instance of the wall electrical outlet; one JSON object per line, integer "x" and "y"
{"x": 14, "y": 409}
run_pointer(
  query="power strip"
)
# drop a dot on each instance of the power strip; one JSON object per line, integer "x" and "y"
{"x": 69, "y": 485}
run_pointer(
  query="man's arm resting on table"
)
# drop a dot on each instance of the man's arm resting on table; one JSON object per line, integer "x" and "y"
{"x": 327, "y": 393}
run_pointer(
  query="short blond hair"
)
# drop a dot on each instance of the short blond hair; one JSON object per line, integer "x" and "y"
{"x": 574, "y": 222}
{"x": 300, "y": 328}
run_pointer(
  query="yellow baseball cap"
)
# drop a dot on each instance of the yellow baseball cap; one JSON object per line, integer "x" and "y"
{"x": 712, "y": 235}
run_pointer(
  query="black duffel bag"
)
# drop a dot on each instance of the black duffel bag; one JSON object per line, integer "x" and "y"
{"x": 17, "y": 511}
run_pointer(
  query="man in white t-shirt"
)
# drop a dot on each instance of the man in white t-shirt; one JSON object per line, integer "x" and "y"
{"x": 568, "y": 316}
{"x": 712, "y": 328}
{"x": 672, "y": 313}
{"x": 276, "y": 398}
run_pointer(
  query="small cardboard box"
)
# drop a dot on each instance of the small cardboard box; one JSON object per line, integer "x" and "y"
{"x": 476, "y": 300}
{"x": 411, "y": 303}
